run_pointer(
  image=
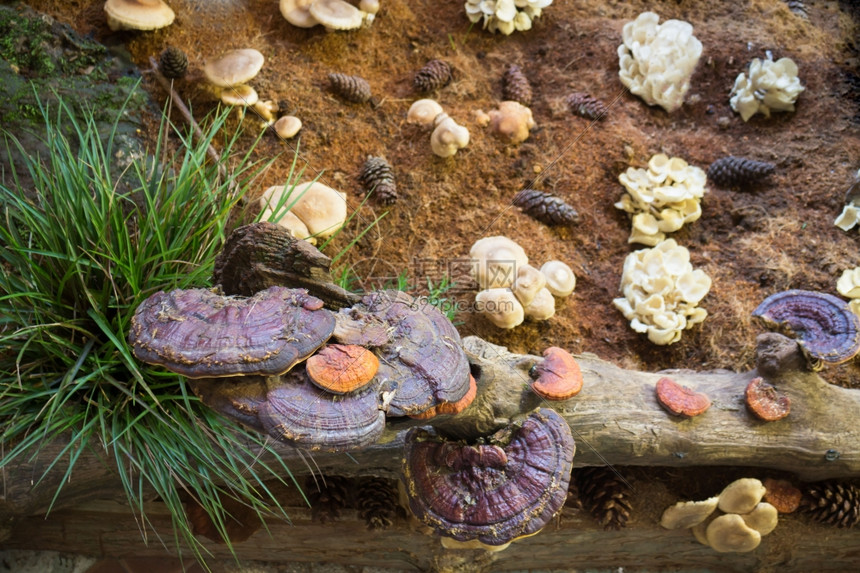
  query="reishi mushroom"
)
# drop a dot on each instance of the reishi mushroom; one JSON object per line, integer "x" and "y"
{"x": 680, "y": 400}
{"x": 138, "y": 14}
{"x": 200, "y": 334}
{"x": 342, "y": 368}
{"x": 765, "y": 401}
{"x": 558, "y": 377}
{"x": 451, "y": 407}
{"x": 827, "y": 328}
{"x": 508, "y": 487}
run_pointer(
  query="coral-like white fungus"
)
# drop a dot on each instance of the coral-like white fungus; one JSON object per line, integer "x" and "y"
{"x": 662, "y": 292}
{"x": 661, "y": 198}
{"x": 505, "y": 16}
{"x": 657, "y": 60}
{"x": 848, "y": 286}
{"x": 770, "y": 86}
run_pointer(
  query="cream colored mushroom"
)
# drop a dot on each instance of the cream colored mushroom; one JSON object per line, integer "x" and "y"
{"x": 321, "y": 208}
{"x": 500, "y": 306}
{"x": 700, "y": 532}
{"x": 233, "y": 68}
{"x": 423, "y": 112}
{"x": 763, "y": 518}
{"x": 688, "y": 513}
{"x": 527, "y": 283}
{"x": 288, "y": 126}
{"x": 741, "y": 496}
{"x": 448, "y": 137}
{"x": 729, "y": 533}
{"x": 242, "y": 95}
{"x": 542, "y": 307}
{"x": 297, "y": 13}
{"x": 495, "y": 261}
{"x": 512, "y": 121}
{"x": 370, "y": 9}
{"x": 266, "y": 109}
{"x": 138, "y": 14}
{"x": 336, "y": 14}
{"x": 450, "y": 543}
{"x": 275, "y": 208}
{"x": 560, "y": 279}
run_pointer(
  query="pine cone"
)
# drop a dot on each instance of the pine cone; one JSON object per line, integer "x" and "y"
{"x": 584, "y": 105}
{"x": 434, "y": 75}
{"x": 350, "y": 88}
{"x": 377, "y": 502}
{"x": 377, "y": 176}
{"x": 798, "y": 8}
{"x": 517, "y": 86}
{"x": 738, "y": 171}
{"x": 328, "y": 495}
{"x": 546, "y": 208}
{"x": 604, "y": 494}
{"x": 833, "y": 502}
{"x": 173, "y": 63}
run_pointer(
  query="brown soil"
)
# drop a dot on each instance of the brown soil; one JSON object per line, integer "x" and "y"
{"x": 752, "y": 244}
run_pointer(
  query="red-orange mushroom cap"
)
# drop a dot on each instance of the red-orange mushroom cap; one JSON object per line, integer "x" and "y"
{"x": 558, "y": 376}
{"x": 680, "y": 400}
{"x": 451, "y": 407}
{"x": 201, "y": 334}
{"x": 493, "y": 492}
{"x": 342, "y": 368}
{"x": 827, "y": 328}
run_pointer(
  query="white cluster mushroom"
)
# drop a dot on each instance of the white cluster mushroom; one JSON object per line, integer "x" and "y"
{"x": 662, "y": 292}
{"x": 770, "y": 86}
{"x": 505, "y": 16}
{"x": 511, "y": 122}
{"x": 848, "y": 286}
{"x": 744, "y": 518}
{"x": 138, "y": 14}
{"x": 332, "y": 14}
{"x": 448, "y": 136}
{"x": 661, "y": 198}
{"x": 230, "y": 73}
{"x": 657, "y": 60}
{"x": 308, "y": 211}
{"x": 511, "y": 289}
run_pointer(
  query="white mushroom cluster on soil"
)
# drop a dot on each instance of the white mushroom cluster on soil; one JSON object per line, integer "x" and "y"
{"x": 661, "y": 198}
{"x": 332, "y": 14}
{"x": 511, "y": 289}
{"x": 448, "y": 136}
{"x": 657, "y": 60}
{"x": 848, "y": 286}
{"x": 662, "y": 292}
{"x": 742, "y": 521}
{"x": 505, "y": 16}
{"x": 308, "y": 211}
{"x": 769, "y": 86}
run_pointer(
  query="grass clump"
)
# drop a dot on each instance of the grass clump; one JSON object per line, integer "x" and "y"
{"x": 82, "y": 247}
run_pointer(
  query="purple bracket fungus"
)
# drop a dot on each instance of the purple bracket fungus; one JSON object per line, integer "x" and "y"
{"x": 828, "y": 330}
{"x": 495, "y": 492}
{"x": 138, "y": 14}
{"x": 239, "y": 398}
{"x": 299, "y": 413}
{"x": 422, "y": 362}
{"x": 201, "y": 334}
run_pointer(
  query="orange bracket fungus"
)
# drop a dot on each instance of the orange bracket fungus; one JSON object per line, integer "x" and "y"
{"x": 201, "y": 334}
{"x": 558, "y": 377}
{"x": 782, "y": 494}
{"x": 827, "y": 328}
{"x": 451, "y": 407}
{"x": 505, "y": 488}
{"x": 422, "y": 362}
{"x": 765, "y": 401}
{"x": 342, "y": 368}
{"x": 680, "y": 400}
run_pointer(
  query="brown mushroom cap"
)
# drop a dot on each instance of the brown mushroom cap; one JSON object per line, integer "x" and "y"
{"x": 782, "y": 494}
{"x": 765, "y": 401}
{"x": 680, "y": 400}
{"x": 827, "y": 328}
{"x": 342, "y": 368}
{"x": 201, "y": 334}
{"x": 729, "y": 533}
{"x": 421, "y": 359}
{"x": 235, "y": 67}
{"x": 138, "y": 14}
{"x": 495, "y": 492}
{"x": 300, "y": 414}
{"x": 558, "y": 376}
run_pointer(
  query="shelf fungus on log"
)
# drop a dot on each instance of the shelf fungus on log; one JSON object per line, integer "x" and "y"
{"x": 765, "y": 401}
{"x": 422, "y": 362}
{"x": 201, "y": 334}
{"x": 506, "y": 488}
{"x": 239, "y": 398}
{"x": 680, "y": 400}
{"x": 298, "y": 413}
{"x": 828, "y": 330}
{"x": 558, "y": 377}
